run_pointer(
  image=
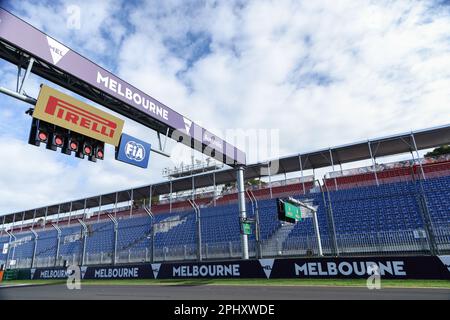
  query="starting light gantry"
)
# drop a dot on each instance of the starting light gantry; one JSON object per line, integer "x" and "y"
{"x": 29, "y": 48}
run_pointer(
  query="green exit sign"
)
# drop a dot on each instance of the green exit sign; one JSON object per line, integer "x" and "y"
{"x": 292, "y": 211}
{"x": 246, "y": 228}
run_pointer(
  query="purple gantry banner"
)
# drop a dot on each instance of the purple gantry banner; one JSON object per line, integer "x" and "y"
{"x": 25, "y": 37}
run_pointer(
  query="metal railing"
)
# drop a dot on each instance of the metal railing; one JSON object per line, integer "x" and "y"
{"x": 136, "y": 243}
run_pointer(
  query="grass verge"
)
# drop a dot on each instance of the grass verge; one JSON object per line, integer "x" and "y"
{"x": 253, "y": 282}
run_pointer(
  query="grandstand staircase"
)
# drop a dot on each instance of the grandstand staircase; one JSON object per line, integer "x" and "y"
{"x": 273, "y": 244}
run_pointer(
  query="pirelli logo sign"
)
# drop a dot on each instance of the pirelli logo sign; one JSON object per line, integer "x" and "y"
{"x": 67, "y": 112}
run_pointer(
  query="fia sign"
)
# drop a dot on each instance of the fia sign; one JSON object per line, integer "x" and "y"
{"x": 133, "y": 151}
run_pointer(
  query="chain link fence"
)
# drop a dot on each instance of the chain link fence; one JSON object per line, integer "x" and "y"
{"x": 409, "y": 217}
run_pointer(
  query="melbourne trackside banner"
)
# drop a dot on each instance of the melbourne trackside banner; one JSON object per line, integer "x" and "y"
{"x": 56, "y": 273}
{"x": 143, "y": 271}
{"x": 118, "y": 272}
{"x": 418, "y": 267}
{"x": 414, "y": 267}
{"x": 65, "y": 111}
{"x": 223, "y": 269}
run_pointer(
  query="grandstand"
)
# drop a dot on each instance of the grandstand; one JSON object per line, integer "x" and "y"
{"x": 383, "y": 209}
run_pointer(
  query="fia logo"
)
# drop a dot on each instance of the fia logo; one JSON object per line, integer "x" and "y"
{"x": 134, "y": 151}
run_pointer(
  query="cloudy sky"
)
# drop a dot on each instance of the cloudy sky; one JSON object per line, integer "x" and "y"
{"x": 318, "y": 73}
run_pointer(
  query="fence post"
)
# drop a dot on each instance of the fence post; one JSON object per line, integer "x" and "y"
{"x": 36, "y": 237}
{"x": 331, "y": 224}
{"x": 58, "y": 244}
{"x": 116, "y": 231}
{"x": 199, "y": 228}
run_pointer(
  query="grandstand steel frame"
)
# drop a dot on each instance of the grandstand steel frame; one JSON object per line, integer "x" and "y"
{"x": 385, "y": 146}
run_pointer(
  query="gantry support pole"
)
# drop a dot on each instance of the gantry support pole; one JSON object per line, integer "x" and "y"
{"x": 242, "y": 211}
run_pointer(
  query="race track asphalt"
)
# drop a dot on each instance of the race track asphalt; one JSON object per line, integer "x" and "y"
{"x": 217, "y": 292}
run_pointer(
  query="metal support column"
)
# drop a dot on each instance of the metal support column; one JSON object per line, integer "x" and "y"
{"x": 3, "y": 226}
{"x": 242, "y": 210}
{"x": 329, "y": 207}
{"x": 332, "y": 167}
{"x": 150, "y": 202}
{"x": 153, "y": 242}
{"x": 8, "y": 258}
{"x": 25, "y": 76}
{"x": 36, "y": 236}
{"x": 199, "y": 229}
{"x": 84, "y": 209}
{"x": 301, "y": 173}
{"x": 373, "y": 162}
{"x": 14, "y": 222}
{"x": 59, "y": 210}
{"x": 115, "y": 206}
{"x": 116, "y": 232}
{"x": 170, "y": 196}
{"x": 58, "y": 244}
{"x": 45, "y": 217}
{"x": 215, "y": 188}
{"x": 99, "y": 209}
{"x": 70, "y": 212}
{"x": 85, "y": 231}
{"x": 152, "y": 232}
{"x": 19, "y": 73}
{"x": 23, "y": 220}
{"x": 132, "y": 202}
{"x": 270, "y": 179}
{"x": 193, "y": 188}
{"x": 34, "y": 219}
{"x": 254, "y": 201}
{"x": 316, "y": 229}
{"x": 418, "y": 157}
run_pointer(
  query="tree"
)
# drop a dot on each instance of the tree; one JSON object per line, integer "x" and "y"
{"x": 445, "y": 149}
{"x": 256, "y": 182}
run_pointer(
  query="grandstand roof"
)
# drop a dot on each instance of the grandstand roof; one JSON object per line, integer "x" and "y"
{"x": 384, "y": 146}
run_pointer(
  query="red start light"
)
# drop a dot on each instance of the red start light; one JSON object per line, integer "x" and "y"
{"x": 87, "y": 150}
{"x": 73, "y": 145}
{"x": 100, "y": 154}
{"x": 42, "y": 136}
{"x": 59, "y": 140}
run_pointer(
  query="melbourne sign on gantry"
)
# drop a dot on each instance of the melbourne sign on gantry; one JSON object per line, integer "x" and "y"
{"x": 25, "y": 38}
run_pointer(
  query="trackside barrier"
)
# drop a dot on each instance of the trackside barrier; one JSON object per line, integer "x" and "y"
{"x": 398, "y": 267}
